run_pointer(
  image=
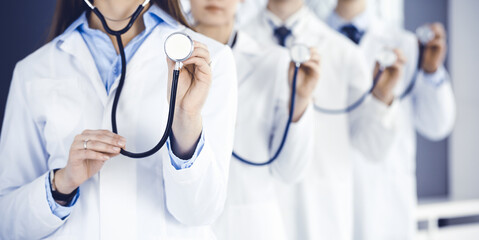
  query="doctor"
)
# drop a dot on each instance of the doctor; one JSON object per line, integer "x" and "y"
{"x": 320, "y": 206}
{"x": 385, "y": 190}
{"x": 264, "y": 79}
{"x": 60, "y": 178}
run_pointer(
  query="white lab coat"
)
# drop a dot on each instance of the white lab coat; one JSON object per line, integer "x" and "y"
{"x": 57, "y": 92}
{"x": 252, "y": 210}
{"x": 385, "y": 190}
{"x": 320, "y": 206}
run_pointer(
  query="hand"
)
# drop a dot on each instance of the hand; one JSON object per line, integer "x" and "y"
{"x": 389, "y": 78}
{"x": 435, "y": 50}
{"x": 193, "y": 87}
{"x": 307, "y": 79}
{"x": 83, "y": 164}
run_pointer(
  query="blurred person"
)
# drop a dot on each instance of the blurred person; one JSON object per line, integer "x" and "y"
{"x": 61, "y": 172}
{"x": 265, "y": 76}
{"x": 320, "y": 206}
{"x": 385, "y": 189}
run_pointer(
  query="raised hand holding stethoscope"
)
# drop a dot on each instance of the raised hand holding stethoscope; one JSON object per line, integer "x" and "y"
{"x": 304, "y": 69}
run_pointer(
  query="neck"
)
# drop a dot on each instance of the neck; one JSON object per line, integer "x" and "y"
{"x": 284, "y": 9}
{"x": 220, "y": 33}
{"x": 349, "y": 9}
{"x": 117, "y": 15}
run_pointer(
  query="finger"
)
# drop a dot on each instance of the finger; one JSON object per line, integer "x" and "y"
{"x": 438, "y": 29}
{"x": 200, "y": 63}
{"x": 112, "y": 140}
{"x": 311, "y": 65}
{"x": 401, "y": 58}
{"x": 90, "y": 155}
{"x": 313, "y": 50}
{"x": 200, "y": 45}
{"x": 436, "y": 43}
{"x": 171, "y": 63}
{"x": 201, "y": 53}
{"x": 98, "y": 147}
{"x": 315, "y": 59}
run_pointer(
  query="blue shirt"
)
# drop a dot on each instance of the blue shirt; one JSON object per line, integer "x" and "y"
{"x": 108, "y": 63}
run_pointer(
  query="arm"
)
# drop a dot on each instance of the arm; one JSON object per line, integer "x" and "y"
{"x": 23, "y": 168}
{"x": 196, "y": 195}
{"x": 373, "y": 124}
{"x": 433, "y": 98}
{"x": 434, "y": 105}
{"x": 299, "y": 146}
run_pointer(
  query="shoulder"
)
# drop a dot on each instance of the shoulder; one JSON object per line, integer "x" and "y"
{"x": 216, "y": 49}
{"x": 39, "y": 62}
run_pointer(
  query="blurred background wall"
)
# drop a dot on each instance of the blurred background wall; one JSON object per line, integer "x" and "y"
{"x": 432, "y": 157}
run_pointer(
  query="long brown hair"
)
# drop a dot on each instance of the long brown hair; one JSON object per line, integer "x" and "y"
{"x": 67, "y": 11}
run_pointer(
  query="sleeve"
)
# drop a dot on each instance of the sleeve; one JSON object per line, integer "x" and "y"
{"x": 434, "y": 105}
{"x": 196, "y": 195}
{"x": 373, "y": 125}
{"x": 179, "y": 163}
{"x": 60, "y": 211}
{"x": 291, "y": 163}
{"x": 23, "y": 168}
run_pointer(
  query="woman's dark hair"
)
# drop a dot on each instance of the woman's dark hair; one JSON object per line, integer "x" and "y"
{"x": 67, "y": 11}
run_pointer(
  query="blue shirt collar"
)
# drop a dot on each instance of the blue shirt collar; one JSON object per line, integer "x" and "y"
{"x": 151, "y": 16}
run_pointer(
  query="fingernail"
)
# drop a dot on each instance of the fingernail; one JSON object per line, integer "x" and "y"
{"x": 116, "y": 149}
{"x": 106, "y": 157}
{"x": 121, "y": 143}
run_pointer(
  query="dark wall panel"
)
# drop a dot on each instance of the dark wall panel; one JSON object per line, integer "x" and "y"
{"x": 25, "y": 26}
{"x": 432, "y": 157}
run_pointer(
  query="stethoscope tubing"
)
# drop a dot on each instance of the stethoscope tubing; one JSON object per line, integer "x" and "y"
{"x": 358, "y": 102}
{"x": 286, "y": 130}
{"x": 174, "y": 86}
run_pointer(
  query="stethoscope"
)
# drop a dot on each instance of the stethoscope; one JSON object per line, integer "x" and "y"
{"x": 299, "y": 55}
{"x": 178, "y": 47}
{"x": 387, "y": 58}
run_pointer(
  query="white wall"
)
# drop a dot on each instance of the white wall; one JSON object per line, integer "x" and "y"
{"x": 464, "y": 65}
{"x": 389, "y": 10}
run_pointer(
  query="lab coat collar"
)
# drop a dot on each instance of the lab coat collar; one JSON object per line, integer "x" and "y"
{"x": 362, "y": 22}
{"x": 72, "y": 43}
{"x": 153, "y": 11}
{"x": 246, "y": 45}
{"x": 298, "y": 22}
{"x": 290, "y": 23}
{"x": 246, "y": 51}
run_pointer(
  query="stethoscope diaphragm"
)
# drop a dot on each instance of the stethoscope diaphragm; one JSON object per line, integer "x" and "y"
{"x": 300, "y": 53}
{"x": 424, "y": 34}
{"x": 179, "y": 47}
{"x": 386, "y": 58}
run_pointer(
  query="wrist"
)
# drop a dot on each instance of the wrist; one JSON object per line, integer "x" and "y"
{"x": 430, "y": 70}
{"x": 62, "y": 184}
{"x": 385, "y": 98}
{"x": 300, "y": 105}
{"x": 186, "y": 131}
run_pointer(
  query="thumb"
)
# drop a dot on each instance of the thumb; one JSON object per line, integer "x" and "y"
{"x": 171, "y": 64}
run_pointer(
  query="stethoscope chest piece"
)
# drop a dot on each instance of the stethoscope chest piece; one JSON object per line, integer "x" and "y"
{"x": 299, "y": 53}
{"x": 424, "y": 34}
{"x": 179, "y": 47}
{"x": 386, "y": 58}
